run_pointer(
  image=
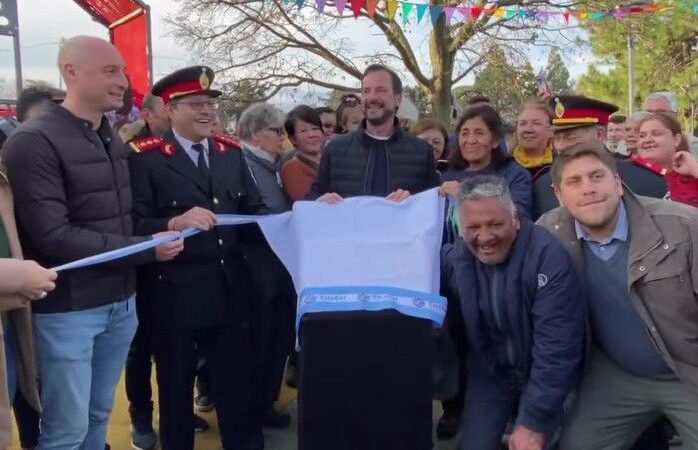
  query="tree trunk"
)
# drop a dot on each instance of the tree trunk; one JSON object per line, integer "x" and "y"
{"x": 441, "y": 101}
{"x": 442, "y": 66}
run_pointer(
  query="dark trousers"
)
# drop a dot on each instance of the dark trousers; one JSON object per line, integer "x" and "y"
{"x": 139, "y": 367}
{"x": 453, "y": 406}
{"x": 228, "y": 353}
{"x": 275, "y": 321}
{"x": 655, "y": 437}
{"x": 489, "y": 405}
{"x": 27, "y": 421}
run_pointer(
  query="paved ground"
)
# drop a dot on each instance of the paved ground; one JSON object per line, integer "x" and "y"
{"x": 119, "y": 431}
{"x": 119, "y": 428}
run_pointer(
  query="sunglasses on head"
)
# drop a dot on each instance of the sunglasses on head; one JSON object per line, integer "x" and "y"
{"x": 350, "y": 100}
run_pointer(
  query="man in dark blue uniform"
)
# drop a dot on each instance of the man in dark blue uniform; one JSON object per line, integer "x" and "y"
{"x": 202, "y": 300}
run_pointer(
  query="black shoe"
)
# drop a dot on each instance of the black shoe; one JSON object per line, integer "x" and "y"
{"x": 448, "y": 427}
{"x": 143, "y": 438}
{"x": 107, "y": 447}
{"x": 292, "y": 376}
{"x": 203, "y": 403}
{"x": 275, "y": 419}
{"x": 200, "y": 425}
{"x": 675, "y": 440}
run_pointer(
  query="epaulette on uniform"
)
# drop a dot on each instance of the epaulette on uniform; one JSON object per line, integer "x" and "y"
{"x": 151, "y": 143}
{"x": 225, "y": 142}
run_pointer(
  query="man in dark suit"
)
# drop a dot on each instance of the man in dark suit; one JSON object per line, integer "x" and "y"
{"x": 155, "y": 123}
{"x": 202, "y": 300}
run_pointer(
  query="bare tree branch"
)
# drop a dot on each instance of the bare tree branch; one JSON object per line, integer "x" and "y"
{"x": 281, "y": 47}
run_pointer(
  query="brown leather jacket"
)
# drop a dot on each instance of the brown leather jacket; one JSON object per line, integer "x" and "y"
{"x": 662, "y": 273}
{"x": 19, "y": 315}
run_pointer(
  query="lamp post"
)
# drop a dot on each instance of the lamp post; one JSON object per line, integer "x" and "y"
{"x": 631, "y": 8}
{"x": 9, "y": 26}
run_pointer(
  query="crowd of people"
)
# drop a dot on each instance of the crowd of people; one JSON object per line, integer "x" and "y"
{"x": 569, "y": 261}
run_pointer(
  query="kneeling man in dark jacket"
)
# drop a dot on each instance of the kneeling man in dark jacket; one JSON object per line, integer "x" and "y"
{"x": 524, "y": 318}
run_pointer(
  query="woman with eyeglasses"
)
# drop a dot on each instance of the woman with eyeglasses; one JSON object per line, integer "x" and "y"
{"x": 261, "y": 131}
{"x": 349, "y": 114}
{"x": 435, "y": 133}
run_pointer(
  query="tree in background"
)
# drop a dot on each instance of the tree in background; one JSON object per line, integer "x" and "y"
{"x": 277, "y": 45}
{"x": 507, "y": 80}
{"x": 557, "y": 74}
{"x": 235, "y": 100}
{"x": 666, "y": 58}
{"x": 421, "y": 100}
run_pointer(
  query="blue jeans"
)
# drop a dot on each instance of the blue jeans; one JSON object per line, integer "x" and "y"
{"x": 81, "y": 355}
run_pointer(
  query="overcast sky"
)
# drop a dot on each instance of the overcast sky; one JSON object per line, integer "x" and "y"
{"x": 44, "y": 22}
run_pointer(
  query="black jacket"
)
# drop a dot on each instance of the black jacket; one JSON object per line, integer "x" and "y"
{"x": 73, "y": 200}
{"x": 346, "y": 167}
{"x": 208, "y": 283}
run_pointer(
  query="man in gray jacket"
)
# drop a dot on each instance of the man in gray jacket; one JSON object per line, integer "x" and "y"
{"x": 638, "y": 260}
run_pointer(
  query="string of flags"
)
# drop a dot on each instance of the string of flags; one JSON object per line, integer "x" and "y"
{"x": 409, "y": 11}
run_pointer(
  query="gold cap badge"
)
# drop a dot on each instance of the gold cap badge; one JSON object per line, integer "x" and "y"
{"x": 203, "y": 80}
{"x": 559, "y": 108}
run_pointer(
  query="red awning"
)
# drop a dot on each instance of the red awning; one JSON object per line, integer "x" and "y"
{"x": 128, "y": 22}
{"x": 108, "y": 12}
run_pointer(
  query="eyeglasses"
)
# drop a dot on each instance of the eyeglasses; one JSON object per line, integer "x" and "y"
{"x": 350, "y": 100}
{"x": 200, "y": 106}
{"x": 278, "y": 130}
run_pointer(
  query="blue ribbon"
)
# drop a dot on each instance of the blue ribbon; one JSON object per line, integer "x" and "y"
{"x": 312, "y": 300}
{"x": 371, "y": 298}
{"x": 222, "y": 220}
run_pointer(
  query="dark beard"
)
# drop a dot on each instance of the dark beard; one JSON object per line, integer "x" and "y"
{"x": 387, "y": 116}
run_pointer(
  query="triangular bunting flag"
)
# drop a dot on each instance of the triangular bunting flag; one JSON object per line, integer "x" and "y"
{"x": 406, "y": 10}
{"x": 436, "y": 11}
{"x": 475, "y": 12}
{"x": 421, "y": 10}
{"x": 566, "y": 16}
{"x": 300, "y": 3}
{"x": 597, "y": 15}
{"x": 371, "y": 7}
{"x": 392, "y": 9}
{"x": 449, "y": 10}
{"x": 356, "y": 6}
{"x": 320, "y": 5}
{"x": 340, "y": 6}
{"x": 465, "y": 12}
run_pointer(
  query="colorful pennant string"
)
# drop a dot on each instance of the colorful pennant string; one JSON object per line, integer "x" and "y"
{"x": 467, "y": 13}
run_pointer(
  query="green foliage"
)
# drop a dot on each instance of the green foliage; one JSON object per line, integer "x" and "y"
{"x": 506, "y": 83}
{"x": 557, "y": 74}
{"x": 666, "y": 57}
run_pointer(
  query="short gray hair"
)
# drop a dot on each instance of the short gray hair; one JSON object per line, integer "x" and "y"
{"x": 150, "y": 100}
{"x": 258, "y": 117}
{"x": 638, "y": 116}
{"x": 482, "y": 187}
{"x": 667, "y": 96}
